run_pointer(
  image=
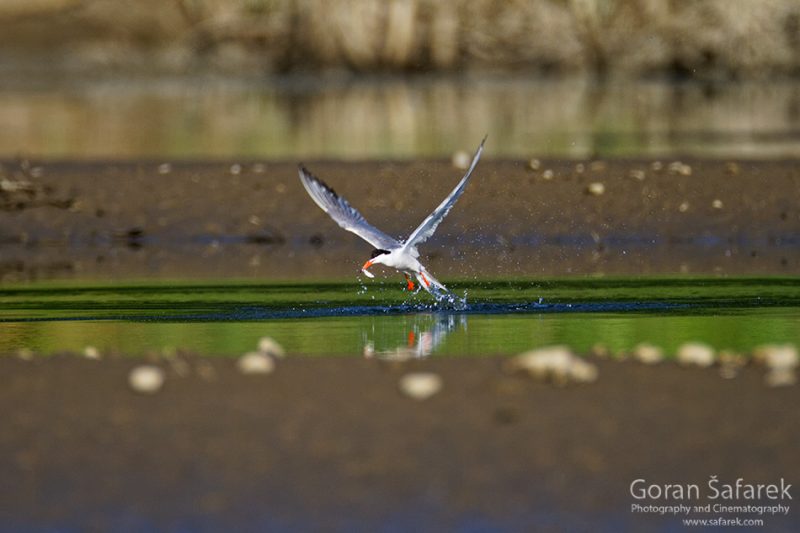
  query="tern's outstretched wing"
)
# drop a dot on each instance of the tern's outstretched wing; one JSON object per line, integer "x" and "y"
{"x": 343, "y": 213}
{"x": 429, "y": 225}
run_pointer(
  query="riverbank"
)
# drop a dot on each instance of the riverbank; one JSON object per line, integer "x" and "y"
{"x": 253, "y": 220}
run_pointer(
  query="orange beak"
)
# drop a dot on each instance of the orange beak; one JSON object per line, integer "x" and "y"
{"x": 365, "y": 267}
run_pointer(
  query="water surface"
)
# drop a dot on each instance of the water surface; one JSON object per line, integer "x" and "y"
{"x": 302, "y": 118}
{"x": 500, "y": 317}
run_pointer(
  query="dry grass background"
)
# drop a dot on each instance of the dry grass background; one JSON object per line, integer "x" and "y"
{"x": 718, "y": 38}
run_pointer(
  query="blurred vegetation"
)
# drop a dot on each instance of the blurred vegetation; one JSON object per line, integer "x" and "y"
{"x": 700, "y": 38}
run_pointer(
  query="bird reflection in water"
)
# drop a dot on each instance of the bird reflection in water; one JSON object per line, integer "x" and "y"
{"x": 422, "y": 337}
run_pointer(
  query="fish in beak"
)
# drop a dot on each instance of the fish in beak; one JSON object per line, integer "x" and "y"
{"x": 365, "y": 267}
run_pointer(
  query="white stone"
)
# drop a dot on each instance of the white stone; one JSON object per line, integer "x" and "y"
{"x": 269, "y": 346}
{"x": 164, "y": 168}
{"x": 596, "y": 188}
{"x": 777, "y": 356}
{"x": 557, "y": 363}
{"x": 461, "y": 160}
{"x": 236, "y": 169}
{"x": 638, "y": 174}
{"x": 255, "y": 363}
{"x": 677, "y": 167}
{"x": 548, "y": 174}
{"x": 90, "y": 352}
{"x": 146, "y": 379}
{"x": 420, "y": 385}
{"x": 648, "y": 354}
{"x": 695, "y": 353}
{"x": 543, "y": 362}
{"x": 534, "y": 164}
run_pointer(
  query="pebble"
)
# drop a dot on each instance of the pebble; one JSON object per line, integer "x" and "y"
{"x": 8, "y": 185}
{"x": 548, "y": 174}
{"x": 582, "y": 371}
{"x": 534, "y": 164}
{"x": 648, "y": 354}
{"x": 259, "y": 168}
{"x": 580, "y": 168}
{"x": 777, "y": 356}
{"x": 683, "y": 207}
{"x": 556, "y": 363}
{"x": 780, "y": 378}
{"x": 420, "y": 385}
{"x": 164, "y": 168}
{"x": 732, "y": 167}
{"x": 656, "y": 165}
{"x": 235, "y": 169}
{"x": 543, "y": 361}
{"x": 596, "y": 188}
{"x": 637, "y": 174}
{"x": 695, "y": 353}
{"x": 26, "y": 354}
{"x": 90, "y": 352}
{"x": 676, "y": 167}
{"x": 460, "y": 160}
{"x": 269, "y": 346}
{"x": 146, "y": 379}
{"x": 255, "y": 363}
{"x": 717, "y": 203}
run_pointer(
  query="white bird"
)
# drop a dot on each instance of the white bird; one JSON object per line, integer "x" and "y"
{"x": 401, "y": 255}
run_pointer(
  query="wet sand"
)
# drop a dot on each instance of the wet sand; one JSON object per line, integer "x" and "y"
{"x": 247, "y": 219}
{"x": 331, "y": 444}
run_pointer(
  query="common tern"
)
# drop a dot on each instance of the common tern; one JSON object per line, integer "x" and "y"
{"x": 398, "y": 254}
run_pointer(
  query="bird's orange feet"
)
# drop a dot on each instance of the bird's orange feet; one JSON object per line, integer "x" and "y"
{"x": 427, "y": 283}
{"x": 409, "y": 284}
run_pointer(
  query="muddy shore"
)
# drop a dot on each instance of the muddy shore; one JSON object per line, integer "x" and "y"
{"x": 332, "y": 444}
{"x": 248, "y": 219}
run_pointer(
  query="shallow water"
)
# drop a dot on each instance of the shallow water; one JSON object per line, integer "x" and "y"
{"x": 500, "y": 317}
